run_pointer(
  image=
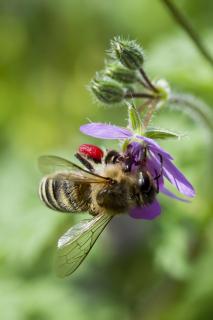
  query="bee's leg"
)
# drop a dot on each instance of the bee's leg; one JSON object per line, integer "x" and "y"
{"x": 158, "y": 175}
{"x": 112, "y": 157}
{"x": 145, "y": 153}
{"x": 85, "y": 162}
{"x": 157, "y": 181}
{"x": 144, "y": 158}
{"x": 127, "y": 165}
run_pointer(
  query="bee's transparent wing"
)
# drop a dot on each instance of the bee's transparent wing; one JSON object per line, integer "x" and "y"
{"x": 68, "y": 169}
{"x": 50, "y": 164}
{"x": 76, "y": 243}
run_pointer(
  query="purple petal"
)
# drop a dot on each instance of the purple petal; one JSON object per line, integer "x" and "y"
{"x": 154, "y": 147}
{"x": 148, "y": 212}
{"x": 171, "y": 172}
{"x": 136, "y": 150}
{"x": 105, "y": 131}
{"x": 171, "y": 194}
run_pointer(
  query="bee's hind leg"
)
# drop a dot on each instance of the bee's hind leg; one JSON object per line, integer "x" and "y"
{"x": 85, "y": 162}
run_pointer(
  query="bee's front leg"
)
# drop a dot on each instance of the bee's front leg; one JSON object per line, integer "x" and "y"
{"x": 85, "y": 162}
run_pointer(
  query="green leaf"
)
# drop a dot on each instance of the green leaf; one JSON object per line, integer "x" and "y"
{"x": 155, "y": 133}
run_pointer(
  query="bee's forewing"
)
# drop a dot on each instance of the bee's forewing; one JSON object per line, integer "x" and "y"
{"x": 54, "y": 164}
{"x": 76, "y": 243}
{"x": 50, "y": 164}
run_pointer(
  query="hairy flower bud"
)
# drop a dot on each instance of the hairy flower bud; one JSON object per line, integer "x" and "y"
{"x": 163, "y": 88}
{"x": 107, "y": 90}
{"x": 120, "y": 73}
{"x": 129, "y": 53}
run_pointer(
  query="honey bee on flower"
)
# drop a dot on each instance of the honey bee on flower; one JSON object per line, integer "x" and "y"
{"x": 107, "y": 184}
{"x": 113, "y": 182}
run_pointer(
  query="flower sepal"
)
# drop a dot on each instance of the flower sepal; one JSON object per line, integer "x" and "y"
{"x": 156, "y": 133}
{"x": 135, "y": 123}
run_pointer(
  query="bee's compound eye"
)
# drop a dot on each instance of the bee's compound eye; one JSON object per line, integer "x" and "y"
{"x": 91, "y": 151}
{"x": 144, "y": 182}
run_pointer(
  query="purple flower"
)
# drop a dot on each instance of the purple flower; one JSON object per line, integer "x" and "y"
{"x": 157, "y": 160}
{"x": 148, "y": 212}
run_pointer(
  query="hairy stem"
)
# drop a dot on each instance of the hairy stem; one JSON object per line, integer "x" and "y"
{"x": 143, "y": 83}
{"x": 146, "y": 79}
{"x": 149, "y": 113}
{"x": 143, "y": 106}
{"x": 197, "y": 108}
{"x": 186, "y": 25}
{"x": 199, "y": 111}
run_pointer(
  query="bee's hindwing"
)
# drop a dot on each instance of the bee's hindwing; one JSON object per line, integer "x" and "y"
{"x": 64, "y": 194}
{"x": 76, "y": 243}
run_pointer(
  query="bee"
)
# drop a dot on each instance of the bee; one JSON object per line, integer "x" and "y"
{"x": 103, "y": 188}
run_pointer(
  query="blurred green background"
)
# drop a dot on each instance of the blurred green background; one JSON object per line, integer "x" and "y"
{"x": 49, "y": 50}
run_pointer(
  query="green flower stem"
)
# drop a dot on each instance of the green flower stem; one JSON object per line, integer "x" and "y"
{"x": 139, "y": 95}
{"x": 198, "y": 109}
{"x": 149, "y": 83}
{"x": 143, "y": 83}
{"x": 188, "y": 28}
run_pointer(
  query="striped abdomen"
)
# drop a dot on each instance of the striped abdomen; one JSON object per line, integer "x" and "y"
{"x": 64, "y": 195}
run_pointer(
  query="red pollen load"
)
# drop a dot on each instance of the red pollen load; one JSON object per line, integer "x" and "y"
{"x": 91, "y": 151}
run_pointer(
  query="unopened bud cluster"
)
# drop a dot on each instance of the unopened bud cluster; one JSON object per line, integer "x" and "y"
{"x": 112, "y": 83}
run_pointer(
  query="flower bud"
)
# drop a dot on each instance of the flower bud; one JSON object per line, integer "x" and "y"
{"x": 107, "y": 90}
{"x": 129, "y": 53}
{"x": 120, "y": 73}
{"x": 163, "y": 89}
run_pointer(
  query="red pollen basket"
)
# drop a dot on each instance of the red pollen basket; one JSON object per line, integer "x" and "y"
{"x": 91, "y": 151}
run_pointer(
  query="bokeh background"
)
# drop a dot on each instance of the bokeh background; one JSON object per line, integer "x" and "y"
{"x": 49, "y": 50}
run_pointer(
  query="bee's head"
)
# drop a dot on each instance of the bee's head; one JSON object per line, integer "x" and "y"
{"x": 147, "y": 188}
